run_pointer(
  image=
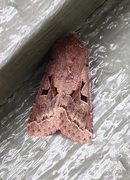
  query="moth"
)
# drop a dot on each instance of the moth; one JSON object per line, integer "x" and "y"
{"x": 63, "y": 101}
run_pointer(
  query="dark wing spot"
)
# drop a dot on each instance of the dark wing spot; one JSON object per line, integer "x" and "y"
{"x": 82, "y": 85}
{"x": 55, "y": 91}
{"x": 83, "y": 98}
{"x": 72, "y": 94}
{"x": 44, "y": 91}
{"x": 50, "y": 79}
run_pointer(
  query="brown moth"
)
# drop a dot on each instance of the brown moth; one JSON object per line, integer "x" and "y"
{"x": 63, "y": 101}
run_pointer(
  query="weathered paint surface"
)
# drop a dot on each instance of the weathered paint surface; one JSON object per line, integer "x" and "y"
{"x": 107, "y": 35}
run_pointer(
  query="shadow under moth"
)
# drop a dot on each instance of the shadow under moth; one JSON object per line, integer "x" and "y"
{"x": 63, "y": 101}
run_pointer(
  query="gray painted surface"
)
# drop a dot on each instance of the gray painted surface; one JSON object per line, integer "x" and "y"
{"x": 28, "y": 29}
{"x": 107, "y": 35}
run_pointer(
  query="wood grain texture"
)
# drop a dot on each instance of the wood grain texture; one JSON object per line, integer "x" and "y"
{"x": 63, "y": 101}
